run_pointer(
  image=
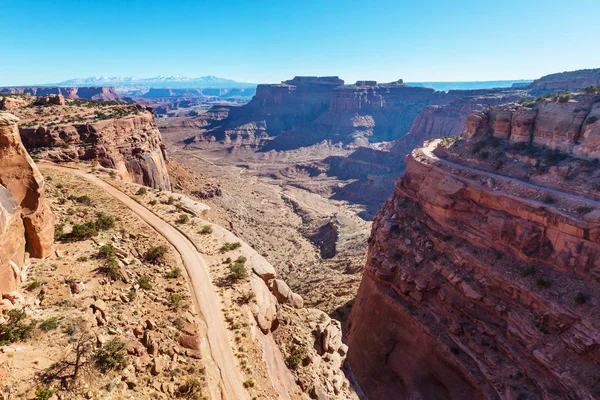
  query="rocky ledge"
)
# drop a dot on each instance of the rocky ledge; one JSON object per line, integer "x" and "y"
{"x": 479, "y": 285}
{"x": 117, "y": 136}
{"x": 26, "y": 221}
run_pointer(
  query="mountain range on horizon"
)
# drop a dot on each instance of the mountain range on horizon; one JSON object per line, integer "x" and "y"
{"x": 214, "y": 82}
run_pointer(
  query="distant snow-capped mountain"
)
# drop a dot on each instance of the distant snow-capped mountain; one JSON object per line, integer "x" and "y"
{"x": 160, "y": 81}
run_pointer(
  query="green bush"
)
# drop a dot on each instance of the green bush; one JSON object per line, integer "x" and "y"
{"x": 183, "y": 219}
{"x": 542, "y": 283}
{"x": 249, "y": 383}
{"x": 294, "y": 360}
{"x": 179, "y": 323}
{"x": 191, "y": 388}
{"x": 59, "y": 231}
{"x": 156, "y": 255}
{"x": 33, "y": 285}
{"x": 230, "y": 246}
{"x": 17, "y": 327}
{"x": 174, "y": 273}
{"x": 238, "y": 271}
{"x": 82, "y": 258}
{"x": 111, "y": 267}
{"x": 42, "y": 393}
{"x": 104, "y": 222}
{"x": 142, "y": 191}
{"x": 206, "y": 230}
{"x": 106, "y": 251}
{"x": 49, "y": 325}
{"x": 175, "y": 300}
{"x": 145, "y": 282}
{"x": 591, "y": 89}
{"x": 84, "y": 200}
{"x": 548, "y": 199}
{"x": 241, "y": 260}
{"x": 83, "y": 231}
{"x": 152, "y": 202}
{"x": 111, "y": 356}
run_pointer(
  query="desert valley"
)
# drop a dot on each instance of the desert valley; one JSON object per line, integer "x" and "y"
{"x": 321, "y": 240}
{"x": 339, "y": 200}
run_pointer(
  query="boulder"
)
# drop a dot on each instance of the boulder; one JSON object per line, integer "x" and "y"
{"x": 265, "y": 307}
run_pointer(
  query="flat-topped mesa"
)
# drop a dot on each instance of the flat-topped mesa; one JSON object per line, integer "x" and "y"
{"x": 120, "y": 137}
{"x": 88, "y": 93}
{"x": 318, "y": 80}
{"x": 26, "y": 221}
{"x": 566, "y": 123}
{"x": 570, "y": 80}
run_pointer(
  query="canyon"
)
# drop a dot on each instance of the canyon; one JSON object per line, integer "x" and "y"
{"x": 480, "y": 282}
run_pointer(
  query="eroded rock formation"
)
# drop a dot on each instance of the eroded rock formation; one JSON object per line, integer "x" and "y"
{"x": 132, "y": 145}
{"x": 570, "y": 125}
{"x": 26, "y": 222}
{"x": 479, "y": 285}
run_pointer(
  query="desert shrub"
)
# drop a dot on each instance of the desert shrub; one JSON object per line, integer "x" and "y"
{"x": 156, "y": 255}
{"x": 33, "y": 285}
{"x": 249, "y": 383}
{"x": 174, "y": 273}
{"x": 563, "y": 98}
{"x": 42, "y": 393}
{"x": 175, "y": 300}
{"x": 206, "y": 230}
{"x": 581, "y": 298}
{"x": 104, "y": 221}
{"x": 192, "y": 388}
{"x": 106, "y": 251}
{"x": 17, "y": 327}
{"x": 111, "y": 268}
{"x": 153, "y": 202}
{"x": 294, "y": 359}
{"x": 591, "y": 89}
{"x": 484, "y": 155}
{"x": 82, "y": 258}
{"x": 145, "y": 282}
{"x": 553, "y": 157}
{"x": 84, "y": 200}
{"x": 83, "y": 231}
{"x": 59, "y": 231}
{"x": 132, "y": 295}
{"x": 142, "y": 191}
{"x": 178, "y": 323}
{"x": 229, "y": 246}
{"x": 183, "y": 219}
{"x": 111, "y": 356}
{"x": 49, "y": 325}
{"x": 237, "y": 272}
{"x": 170, "y": 200}
{"x": 584, "y": 210}
{"x": 246, "y": 297}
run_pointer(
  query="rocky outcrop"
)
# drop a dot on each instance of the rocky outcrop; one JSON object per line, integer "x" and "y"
{"x": 569, "y": 125}
{"x": 571, "y": 80}
{"x": 472, "y": 289}
{"x": 88, "y": 93}
{"x": 26, "y": 222}
{"x": 132, "y": 145}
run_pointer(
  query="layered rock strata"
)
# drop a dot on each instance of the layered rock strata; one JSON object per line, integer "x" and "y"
{"x": 88, "y": 93}
{"x": 473, "y": 289}
{"x": 132, "y": 145}
{"x": 26, "y": 221}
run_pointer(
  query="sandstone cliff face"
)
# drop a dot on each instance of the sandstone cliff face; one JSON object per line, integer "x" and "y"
{"x": 26, "y": 222}
{"x": 89, "y": 93}
{"x": 571, "y": 126}
{"x": 474, "y": 292}
{"x": 132, "y": 145}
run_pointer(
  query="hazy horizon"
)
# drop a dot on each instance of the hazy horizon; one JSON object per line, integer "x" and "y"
{"x": 270, "y": 41}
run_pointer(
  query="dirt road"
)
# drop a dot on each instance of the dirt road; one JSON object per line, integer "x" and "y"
{"x": 206, "y": 298}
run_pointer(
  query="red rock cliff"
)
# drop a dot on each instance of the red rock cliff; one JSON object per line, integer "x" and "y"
{"x": 473, "y": 289}
{"x": 26, "y": 221}
{"x": 132, "y": 145}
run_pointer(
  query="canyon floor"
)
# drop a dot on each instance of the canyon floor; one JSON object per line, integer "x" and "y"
{"x": 283, "y": 207}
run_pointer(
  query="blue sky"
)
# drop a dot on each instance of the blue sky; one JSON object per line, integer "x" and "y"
{"x": 269, "y": 41}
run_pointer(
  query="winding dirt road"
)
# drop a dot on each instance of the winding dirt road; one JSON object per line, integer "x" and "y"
{"x": 428, "y": 149}
{"x": 206, "y": 298}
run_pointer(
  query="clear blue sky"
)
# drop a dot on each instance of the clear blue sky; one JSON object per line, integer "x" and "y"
{"x": 268, "y": 41}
